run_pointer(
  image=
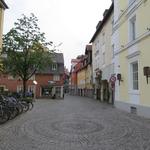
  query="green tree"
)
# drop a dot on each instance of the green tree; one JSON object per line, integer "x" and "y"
{"x": 26, "y": 48}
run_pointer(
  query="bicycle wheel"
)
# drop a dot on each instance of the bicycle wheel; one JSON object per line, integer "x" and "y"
{"x": 3, "y": 116}
{"x": 31, "y": 106}
{"x": 25, "y": 106}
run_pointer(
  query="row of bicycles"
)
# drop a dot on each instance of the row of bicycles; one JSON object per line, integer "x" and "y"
{"x": 10, "y": 107}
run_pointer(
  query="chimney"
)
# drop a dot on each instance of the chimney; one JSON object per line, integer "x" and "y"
{"x": 105, "y": 12}
{"x": 99, "y": 23}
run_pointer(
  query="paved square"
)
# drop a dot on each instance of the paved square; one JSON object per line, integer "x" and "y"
{"x": 75, "y": 123}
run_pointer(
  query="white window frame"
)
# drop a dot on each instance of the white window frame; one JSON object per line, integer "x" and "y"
{"x": 19, "y": 88}
{"x": 132, "y": 28}
{"x": 10, "y": 77}
{"x": 133, "y": 73}
{"x": 56, "y": 77}
{"x": 131, "y": 90}
{"x": 54, "y": 66}
{"x": 104, "y": 57}
{"x": 31, "y": 88}
{"x": 113, "y": 50}
{"x": 103, "y": 38}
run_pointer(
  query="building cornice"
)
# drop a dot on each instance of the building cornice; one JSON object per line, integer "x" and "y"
{"x": 133, "y": 54}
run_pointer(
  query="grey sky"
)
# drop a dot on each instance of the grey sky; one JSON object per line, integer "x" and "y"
{"x": 71, "y": 22}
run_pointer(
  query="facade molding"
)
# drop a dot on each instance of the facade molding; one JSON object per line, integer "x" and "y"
{"x": 137, "y": 40}
{"x": 126, "y": 13}
{"x": 133, "y": 54}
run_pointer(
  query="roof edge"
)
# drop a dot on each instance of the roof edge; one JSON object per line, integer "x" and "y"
{"x": 3, "y": 4}
{"x": 103, "y": 22}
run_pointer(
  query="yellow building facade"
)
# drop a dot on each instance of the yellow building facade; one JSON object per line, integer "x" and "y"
{"x": 131, "y": 38}
{"x": 88, "y": 72}
{"x": 3, "y": 6}
{"x": 88, "y": 77}
{"x": 84, "y": 73}
{"x": 81, "y": 77}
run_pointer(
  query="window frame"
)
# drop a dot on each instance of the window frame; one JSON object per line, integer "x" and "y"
{"x": 56, "y": 77}
{"x": 132, "y": 28}
{"x": 113, "y": 50}
{"x": 54, "y": 66}
{"x": 19, "y": 88}
{"x": 133, "y": 74}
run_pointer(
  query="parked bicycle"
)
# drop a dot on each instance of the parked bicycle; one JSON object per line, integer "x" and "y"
{"x": 10, "y": 107}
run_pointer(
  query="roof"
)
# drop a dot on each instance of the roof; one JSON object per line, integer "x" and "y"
{"x": 3, "y": 4}
{"x": 88, "y": 48}
{"x": 58, "y": 58}
{"x": 100, "y": 26}
{"x": 74, "y": 60}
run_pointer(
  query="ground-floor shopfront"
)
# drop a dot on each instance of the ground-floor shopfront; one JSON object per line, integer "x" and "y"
{"x": 51, "y": 91}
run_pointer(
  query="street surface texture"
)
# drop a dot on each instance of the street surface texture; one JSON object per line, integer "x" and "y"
{"x": 75, "y": 123}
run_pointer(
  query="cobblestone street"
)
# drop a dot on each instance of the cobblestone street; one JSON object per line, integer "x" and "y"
{"x": 75, "y": 123}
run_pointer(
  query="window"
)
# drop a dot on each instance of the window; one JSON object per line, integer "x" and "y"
{"x": 19, "y": 88}
{"x": 132, "y": 28}
{"x": 97, "y": 46}
{"x": 56, "y": 78}
{"x": 134, "y": 71}
{"x": 103, "y": 38}
{"x": 10, "y": 77}
{"x": 54, "y": 66}
{"x": 2, "y": 88}
{"x": 58, "y": 90}
{"x": 96, "y": 53}
{"x": 31, "y": 88}
{"x": 113, "y": 53}
{"x": 112, "y": 22}
{"x": 103, "y": 57}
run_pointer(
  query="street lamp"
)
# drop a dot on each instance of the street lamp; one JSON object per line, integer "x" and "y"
{"x": 35, "y": 83}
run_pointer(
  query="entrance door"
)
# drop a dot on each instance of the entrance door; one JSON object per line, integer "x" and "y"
{"x": 98, "y": 95}
{"x": 105, "y": 91}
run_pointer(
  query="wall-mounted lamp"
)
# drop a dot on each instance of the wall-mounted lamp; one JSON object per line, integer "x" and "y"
{"x": 35, "y": 83}
{"x": 146, "y": 71}
{"x": 119, "y": 78}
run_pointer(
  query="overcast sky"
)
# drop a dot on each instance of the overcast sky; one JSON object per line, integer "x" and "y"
{"x": 70, "y": 22}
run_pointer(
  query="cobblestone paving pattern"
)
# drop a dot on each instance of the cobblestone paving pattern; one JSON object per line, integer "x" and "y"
{"x": 75, "y": 123}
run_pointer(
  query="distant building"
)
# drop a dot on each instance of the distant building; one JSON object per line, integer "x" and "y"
{"x": 81, "y": 74}
{"x": 102, "y": 56}
{"x": 50, "y": 82}
{"x": 88, "y": 73}
{"x": 66, "y": 80}
{"x": 81, "y": 77}
{"x": 73, "y": 77}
